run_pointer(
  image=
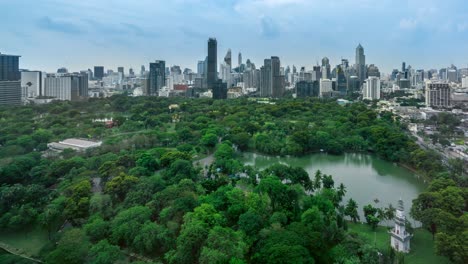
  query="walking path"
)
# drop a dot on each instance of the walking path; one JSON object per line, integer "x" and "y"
{"x": 17, "y": 252}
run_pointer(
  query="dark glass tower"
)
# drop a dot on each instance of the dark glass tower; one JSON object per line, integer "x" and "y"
{"x": 98, "y": 72}
{"x": 10, "y": 80}
{"x": 157, "y": 77}
{"x": 212, "y": 63}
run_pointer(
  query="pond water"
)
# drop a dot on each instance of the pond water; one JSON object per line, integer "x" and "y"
{"x": 367, "y": 178}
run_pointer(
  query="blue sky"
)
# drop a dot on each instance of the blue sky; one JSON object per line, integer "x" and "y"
{"x": 80, "y": 34}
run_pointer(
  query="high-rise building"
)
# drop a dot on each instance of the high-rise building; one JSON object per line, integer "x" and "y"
{"x": 10, "y": 80}
{"x": 353, "y": 84}
{"x": 220, "y": 90}
{"x": 71, "y": 87}
{"x": 239, "y": 59}
{"x": 371, "y": 88}
{"x": 98, "y": 72}
{"x": 33, "y": 82}
{"x": 438, "y": 94}
{"x": 360, "y": 63}
{"x": 212, "y": 60}
{"x": 316, "y": 73}
{"x": 157, "y": 77}
{"x": 121, "y": 70}
{"x": 142, "y": 70}
{"x": 271, "y": 81}
{"x": 326, "y": 87}
{"x": 341, "y": 82}
{"x": 465, "y": 81}
{"x": 403, "y": 67}
{"x": 226, "y": 69}
{"x": 452, "y": 75}
{"x": 201, "y": 68}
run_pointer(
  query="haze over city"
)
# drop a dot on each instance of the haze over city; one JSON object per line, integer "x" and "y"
{"x": 79, "y": 34}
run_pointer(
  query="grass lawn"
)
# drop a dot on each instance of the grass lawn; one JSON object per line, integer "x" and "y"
{"x": 422, "y": 246}
{"x": 30, "y": 241}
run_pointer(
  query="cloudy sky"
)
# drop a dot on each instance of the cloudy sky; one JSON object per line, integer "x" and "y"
{"x": 80, "y": 34}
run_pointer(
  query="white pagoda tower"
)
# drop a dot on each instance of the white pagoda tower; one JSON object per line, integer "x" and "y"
{"x": 400, "y": 239}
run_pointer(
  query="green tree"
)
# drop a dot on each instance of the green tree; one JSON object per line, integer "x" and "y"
{"x": 72, "y": 248}
{"x": 351, "y": 210}
{"x": 105, "y": 253}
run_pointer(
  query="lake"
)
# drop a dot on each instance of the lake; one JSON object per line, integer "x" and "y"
{"x": 366, "y": 177}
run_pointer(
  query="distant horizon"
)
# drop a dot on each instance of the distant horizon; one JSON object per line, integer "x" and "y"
{"x": 426, "y": 34}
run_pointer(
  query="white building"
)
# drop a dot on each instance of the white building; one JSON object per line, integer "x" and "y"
{"x": 371, "y": 88}
{"x": 326, "y": 86}
{"x": 74, "y": 143}
{"x": 34, "y": 82}
{"x": 465, "y": 82}
{"x": 400, "y": 239}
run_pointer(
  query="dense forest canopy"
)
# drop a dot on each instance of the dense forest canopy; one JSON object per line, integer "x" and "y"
{"x": 143, "y": 197}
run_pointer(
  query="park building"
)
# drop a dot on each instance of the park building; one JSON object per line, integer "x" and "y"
{"x": 74, "y": 144}
{"x": 399, "y": 238}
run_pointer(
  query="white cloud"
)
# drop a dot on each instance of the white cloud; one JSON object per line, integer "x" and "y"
{"x": 408, "y": 23}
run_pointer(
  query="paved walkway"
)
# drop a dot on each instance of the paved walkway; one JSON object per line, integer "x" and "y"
{"x": 17, "y": 252}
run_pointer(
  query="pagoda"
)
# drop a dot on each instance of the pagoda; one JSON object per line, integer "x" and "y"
{"x": 400, "y": 239}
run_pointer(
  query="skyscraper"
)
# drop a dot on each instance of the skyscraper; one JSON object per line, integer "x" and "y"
{"x": 33, "y": 81}
{"x": 212, "y": 67}
{"x": 121, "y": 70}
{"x": 326, "y": 68}
{"x": 98, "y": 72}
{"x": 201, "y": 68}
{"x": 360, "y": 63}
{"x": 226, "y": 69}
{"x": 239, "y": 59}
{"x": 271, "y": 81}
{"x": 157, "y": 77}
{"x": 10, "y": 80}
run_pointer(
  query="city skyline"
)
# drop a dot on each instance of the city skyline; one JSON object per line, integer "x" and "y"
{"x": 81, "y": 35}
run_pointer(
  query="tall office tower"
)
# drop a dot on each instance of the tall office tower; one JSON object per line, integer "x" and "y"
{"x": 69, "y": 87}
{"x": 212, "y": 60}
{"x": 373, "y": 71}
{"x": 341, "y": 82}
{"x": 265, "y": 79}
{"x": 33, "y": 82}
{"x": 239, "y": 59}
{"x": 220, "y": 90}
{"x": 316, "y": 73}
{"x": 326, "y": 69}
{"x": 157, "y": 76}
{"x": 142, "y": 70}
{"x": 226, "y": 69}
{"x": 121, "y": 70}
{"x": 131, "y": 73}
{"x": 294, "y": 69}
{"x": 277, "y": 78}
{"x": 353, "y": 84}
{"x": 371, "y": 88}
{"x": 98, "y": 72}
{"x": 438, "y": 94}
{"x": 201, "y": 68}
{"x": 10, "y": 80}
{"x": 360, "y": 63}
{"x": 403, "y": 66}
